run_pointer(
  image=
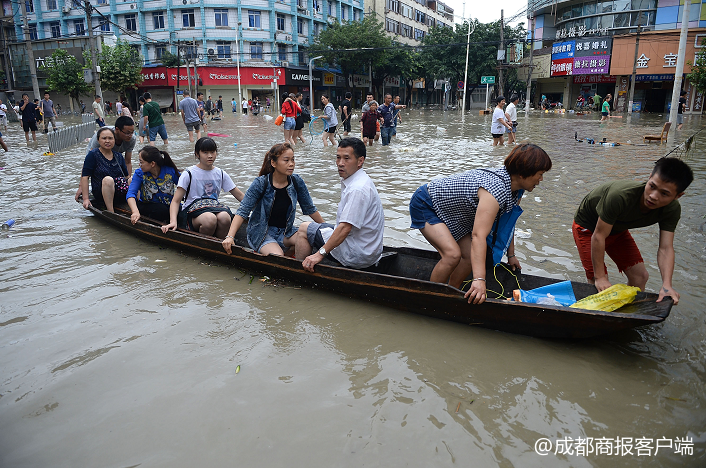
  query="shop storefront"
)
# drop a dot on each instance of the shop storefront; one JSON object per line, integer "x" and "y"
{"x": 262, "y": 82}
{"x": 298, "y": 81}
{"x": 656, "y": 64}
{"x": 578, "y": 61}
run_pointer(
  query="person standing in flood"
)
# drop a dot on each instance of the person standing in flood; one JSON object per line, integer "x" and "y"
{"x": 605, "y": 110}
{"x": 511, "y": 114}
{"x": 499, "y": 124}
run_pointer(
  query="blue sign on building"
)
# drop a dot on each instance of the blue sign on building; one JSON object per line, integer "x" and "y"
{"x": 562, "y": 50}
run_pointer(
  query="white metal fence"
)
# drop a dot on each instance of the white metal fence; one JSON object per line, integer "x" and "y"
{"x": 69, "y": 136}
{"x": 87, "y": 118}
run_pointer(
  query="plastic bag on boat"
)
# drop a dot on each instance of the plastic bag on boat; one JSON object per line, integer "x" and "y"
{"x": 609, "y": 299}
{"x": 562, "y": 294}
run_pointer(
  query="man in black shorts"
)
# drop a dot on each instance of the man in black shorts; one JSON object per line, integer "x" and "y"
{"x": 346, "y": 109}
{"x": 29, "y": 119}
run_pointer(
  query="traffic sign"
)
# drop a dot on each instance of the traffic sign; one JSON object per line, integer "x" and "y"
{"x": 461, "y": 85}
{"x": 487, "y": 80}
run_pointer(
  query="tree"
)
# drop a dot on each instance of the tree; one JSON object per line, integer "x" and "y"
{"x": 66, "y": 75}
{"x": 447, "y": 59}
{"x": 170, "y": 60}
{"x": 697, "y": 77}
{"x": 367, "y": 38}
{"x": 121, "y": 67}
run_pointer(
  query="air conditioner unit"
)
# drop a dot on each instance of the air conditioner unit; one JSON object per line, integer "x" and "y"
{"x": 285, "y": 64}
{"x": 184, "y": 2}
{"x": 67, "y": 9}
{"x": 132, "y": 6}
{"x": 287, "y": 37}
{"x": 211, "y": 52}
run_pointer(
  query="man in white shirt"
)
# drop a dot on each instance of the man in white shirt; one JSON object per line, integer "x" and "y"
{"x": 499, "y": 124}
{"x": 511, "y": 114}
{"x": 356, "y": 240}
{"x": 98, "y": 112}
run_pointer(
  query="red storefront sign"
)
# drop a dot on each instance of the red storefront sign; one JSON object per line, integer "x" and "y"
{"x": 582, "y": 79}
{"x": 562, "y": 66}
{"x": 214, "y": 76}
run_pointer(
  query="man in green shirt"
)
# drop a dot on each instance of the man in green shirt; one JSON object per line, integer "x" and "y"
{"x": 153, "y": 117}
{"x": 604, "y": 216}
{"x": 597, "y": 101}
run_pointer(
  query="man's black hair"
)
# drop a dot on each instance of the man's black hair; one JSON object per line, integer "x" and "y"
{"x": 674, "y": 171}
{"x": 349, "y": 95}
{"x": 355, "y": 143}
{"x": 147, "y": 96}
{"x": 514, "y": 98}
{"x": 124, "y": 121}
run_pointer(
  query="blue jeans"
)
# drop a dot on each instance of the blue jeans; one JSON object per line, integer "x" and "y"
{"x": 386, "y": 134}
{"x": 161, "y": 129}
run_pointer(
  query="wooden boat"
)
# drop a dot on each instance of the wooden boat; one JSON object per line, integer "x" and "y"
{"x": 400, "y": 280}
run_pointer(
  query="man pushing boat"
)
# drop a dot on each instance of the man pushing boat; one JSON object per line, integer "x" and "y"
{"x": 604, "y": 217}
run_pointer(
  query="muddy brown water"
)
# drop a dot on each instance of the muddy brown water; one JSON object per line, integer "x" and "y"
{"x": 116, "y": 352}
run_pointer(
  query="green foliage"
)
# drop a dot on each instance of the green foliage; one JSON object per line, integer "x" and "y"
{"x": 697, "y": 77}
{"x": 66, "y": 75}
{"x": 449, "y": 62}
{"x": 121, "y": 67}
{"x": 366, "y": 34}
{"x": 170, "y": 60}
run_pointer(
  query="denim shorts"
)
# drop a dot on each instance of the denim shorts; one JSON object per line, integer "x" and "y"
{"x": 274, "y": 235}
{"x": 290, "y": 123}
{"x": 313, "y": 234}
{"x": 421, "y": 209}
{"x": 161, "y": 129}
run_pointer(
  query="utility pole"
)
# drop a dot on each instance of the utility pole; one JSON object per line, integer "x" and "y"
{"x": 502, "y": 47}
{"x": 529, "y": 73}
{"x": 634, "y": 72}
{"x": 680, "y": 65}
{"x": 6, "y": 58}
{"x": 94, "y": 55}
{"x": 30, "y": 53}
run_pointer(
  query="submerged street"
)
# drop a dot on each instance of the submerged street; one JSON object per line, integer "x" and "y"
{"x": 117, "y": 352}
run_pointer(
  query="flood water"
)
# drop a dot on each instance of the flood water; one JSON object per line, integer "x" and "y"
{"x": 116, "y": 352}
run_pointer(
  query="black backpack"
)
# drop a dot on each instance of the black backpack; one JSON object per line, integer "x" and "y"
{"x": 306, "y": 116}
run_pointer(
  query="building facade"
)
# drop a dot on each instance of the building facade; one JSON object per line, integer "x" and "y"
{"x": 587, "y": 48}
{"x": 408, "y": 21}
{"x": 264, "y": 31}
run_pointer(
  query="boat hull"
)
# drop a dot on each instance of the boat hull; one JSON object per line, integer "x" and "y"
{"x": 400, "y": 281}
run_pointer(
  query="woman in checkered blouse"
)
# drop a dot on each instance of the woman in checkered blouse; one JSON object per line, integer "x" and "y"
{"x": 456, "y": 214}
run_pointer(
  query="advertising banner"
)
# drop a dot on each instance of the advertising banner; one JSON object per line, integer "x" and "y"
{"x": 214, "y": 76}
{"x": 580, "y": 79}
{"x": 562, "y": 67}
{"x": 599, "y": 65}
{"x": 592, "y": 46}
{"x": 563, "y": 50}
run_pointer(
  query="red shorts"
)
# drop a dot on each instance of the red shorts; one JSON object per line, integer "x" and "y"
{"x": 619, "y": 247}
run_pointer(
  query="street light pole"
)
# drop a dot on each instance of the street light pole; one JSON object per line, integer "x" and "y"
{"x": 311, "y": 82}
{"x": 465, "y": 75}
{"x": 237, "y": 53}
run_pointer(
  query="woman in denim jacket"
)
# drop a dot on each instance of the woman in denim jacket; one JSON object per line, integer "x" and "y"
{"x": 272, "y": 200}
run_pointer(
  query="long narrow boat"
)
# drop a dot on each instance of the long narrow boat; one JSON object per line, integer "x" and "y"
{"x": 400, "y": 280}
